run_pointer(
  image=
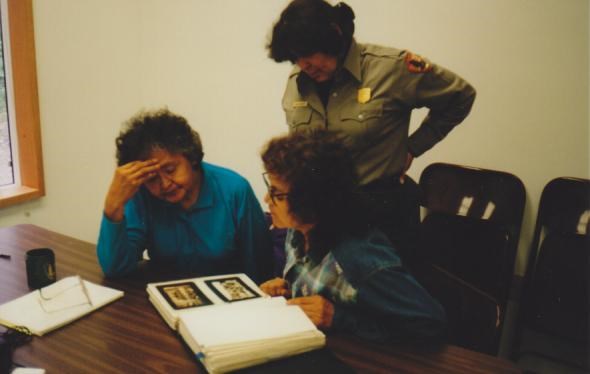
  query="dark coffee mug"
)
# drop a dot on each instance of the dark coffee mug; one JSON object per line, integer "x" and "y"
{"x": 40, "y": 267}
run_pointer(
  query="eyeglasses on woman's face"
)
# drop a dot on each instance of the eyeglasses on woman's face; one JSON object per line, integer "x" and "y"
{"x": 274, "y": 195}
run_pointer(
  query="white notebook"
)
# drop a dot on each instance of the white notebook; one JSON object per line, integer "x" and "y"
{"x": 56, "y": 305}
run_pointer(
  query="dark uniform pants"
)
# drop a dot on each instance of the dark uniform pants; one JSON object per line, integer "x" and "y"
{"x": 394, "y": 208}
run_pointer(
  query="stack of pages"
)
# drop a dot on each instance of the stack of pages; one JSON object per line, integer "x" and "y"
{"x": 56, "y": 305}
{"x": 229, "y": 323}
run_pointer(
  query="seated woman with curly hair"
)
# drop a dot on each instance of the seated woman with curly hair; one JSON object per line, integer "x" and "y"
{"x": 192, "y": 216}
{"x": 344, "y": 274}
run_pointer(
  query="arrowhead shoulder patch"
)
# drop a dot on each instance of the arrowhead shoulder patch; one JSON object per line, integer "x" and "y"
{"x": 416, "y": 64}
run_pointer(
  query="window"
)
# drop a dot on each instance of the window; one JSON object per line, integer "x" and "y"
{"x": 7, "y": 176}
{"x": 26, "y": 168}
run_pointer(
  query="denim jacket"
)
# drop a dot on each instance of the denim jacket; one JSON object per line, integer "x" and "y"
{"x": 374, "y": 297}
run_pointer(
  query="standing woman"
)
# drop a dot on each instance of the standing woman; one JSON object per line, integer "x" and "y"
{"x": 366, "y": 93}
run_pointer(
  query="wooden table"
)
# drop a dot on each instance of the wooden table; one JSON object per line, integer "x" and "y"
{"x": 129, "y": 336}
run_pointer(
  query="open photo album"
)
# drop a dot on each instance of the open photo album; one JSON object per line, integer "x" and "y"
{"x": 175, "y": 298}
{"x": 229, "y": 323}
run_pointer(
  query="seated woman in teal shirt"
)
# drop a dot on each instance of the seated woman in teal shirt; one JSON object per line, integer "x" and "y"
{"x": 197, "y": 217}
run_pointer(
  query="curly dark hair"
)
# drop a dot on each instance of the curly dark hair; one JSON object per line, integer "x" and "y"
{"x": 306, "y": 27}
{"x": 158, "y": 129}
{"x": 322, "y": 183}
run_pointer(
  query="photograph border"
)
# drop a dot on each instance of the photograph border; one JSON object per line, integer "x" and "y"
{"x": 194, "y": 287}
{"x": 210, "y": 282}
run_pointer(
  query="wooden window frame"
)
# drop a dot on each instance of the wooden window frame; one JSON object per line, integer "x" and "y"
{"x": 26, "y": 105}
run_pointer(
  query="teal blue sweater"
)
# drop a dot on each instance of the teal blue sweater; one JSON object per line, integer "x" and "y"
{"x": 223, "y": 232}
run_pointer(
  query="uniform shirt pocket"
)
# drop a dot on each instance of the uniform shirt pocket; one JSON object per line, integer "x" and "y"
{"x": 297, "y": 117}
{"x": 362, "y": 113}
{"x": 359, "y": 120}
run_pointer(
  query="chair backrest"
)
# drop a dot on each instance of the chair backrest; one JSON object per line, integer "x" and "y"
{"x": 483, "y": 194}
{"x": 556, "y": 292}
{"x": 472, "y": 224}
{"x": 565, "y": 207}
{"x": 473, "y": 316}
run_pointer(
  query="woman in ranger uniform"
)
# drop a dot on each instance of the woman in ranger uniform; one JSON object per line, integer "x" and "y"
{"x": 366, "y": 94}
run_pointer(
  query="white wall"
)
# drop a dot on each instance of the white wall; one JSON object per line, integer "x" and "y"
{"x": 100, "y": 61}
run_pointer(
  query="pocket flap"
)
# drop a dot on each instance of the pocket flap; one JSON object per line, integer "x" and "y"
{"x": 361, "y": 112}
{"x": 299, "y": 116}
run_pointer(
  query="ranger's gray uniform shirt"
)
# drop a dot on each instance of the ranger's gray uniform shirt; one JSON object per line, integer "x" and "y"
{"x": 370, "y": 104}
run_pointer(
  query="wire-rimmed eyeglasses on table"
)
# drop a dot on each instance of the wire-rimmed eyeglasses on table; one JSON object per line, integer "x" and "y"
{"x": 59, "y": 296}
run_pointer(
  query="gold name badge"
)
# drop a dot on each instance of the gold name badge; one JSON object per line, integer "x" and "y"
{"x": 299, "y": 104}
{"x": 364, "y": 95}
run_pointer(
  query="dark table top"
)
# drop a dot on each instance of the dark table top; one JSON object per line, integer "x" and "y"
{"x": 129, "y": 336}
